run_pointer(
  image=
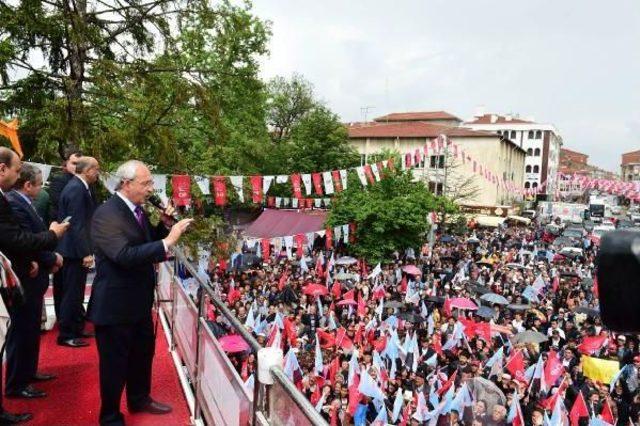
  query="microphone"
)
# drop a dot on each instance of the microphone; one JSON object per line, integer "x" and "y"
{"x": 157, "y": 203}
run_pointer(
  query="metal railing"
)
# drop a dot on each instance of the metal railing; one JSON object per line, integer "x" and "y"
{"x": 220, "y": 395}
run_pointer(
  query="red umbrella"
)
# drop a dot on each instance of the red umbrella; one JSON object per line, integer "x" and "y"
{"x": 233, "y": 343}
{"x": 347, "y": 302}
{"x": 412, "y": 270}
{"x": 315, "y": 290}
{"x": 462, "y": 303}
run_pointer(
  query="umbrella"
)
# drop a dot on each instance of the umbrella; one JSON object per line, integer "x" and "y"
{"x": 233, "y": 343}
{"x": 587, "y": 282}
{"x": 518, "y": 307}
{"x": 494, "y": 298}
{"x": 529, "y": 336}
{"x": 446, "y": 239}
{"x": 484, "y": 312}
{"x": 412, "y": 270}
{"x": 571, "y": 252}
{"x": 588, "y": 311}
{"x": 479, "y": 289}
{"x": 473, "y": 240}
{"x": 410, "y": 317}
{"x": 315, "y": 290}
{"x": 393, "y": 304}
{"x": 514, "y": 266}
{"x": 569, "y": 274}
{"x": 462, "y": 303}
{"x": 435, "y": 299}
{"x": 346, "y": 260}
{"x": 485, "y": 390}
{"x": 342, "y": 276}
{"x": 484, "y": 262}
{"x": 347, "y": 302}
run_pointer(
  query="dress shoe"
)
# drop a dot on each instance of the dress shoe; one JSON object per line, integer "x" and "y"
{"x": 42, "y": 377}
{"x": 12, "y": 419}
{"x": 73, "y": 343}
{"x": 29, "y": 392}
{"x": 153, "y": 407}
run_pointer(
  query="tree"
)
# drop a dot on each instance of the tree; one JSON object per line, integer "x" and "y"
{"x": 289, "y": 101}
{"x": 195, "y": 64}
{"x": 389, "y": 215}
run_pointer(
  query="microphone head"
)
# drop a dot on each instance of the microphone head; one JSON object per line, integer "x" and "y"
{"x": 155, "y": 201}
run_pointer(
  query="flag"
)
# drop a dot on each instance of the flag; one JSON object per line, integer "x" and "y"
{"x": 499, "y": 354}
{"x": 607, "y": 414}
{"x": 381, "y": 418}
{"x": 369, "y": 387}
{"x": 515, "y": 416}
{"x": 553, "y": 369}
{"x": 578, "y": 410}
{"x": 592, "y": 344}
{"x": 318, "y": 363}
{"x": 376, "y": 271}
{"x": 220, "y": 190}
{"x": 317, "y": 183}
{"x": 296, "y": 184}
{"x": 181, "y": 190}
{"x": 342, "y": 340}
{"x": 600, "y": 370}
{"x": 354, "y": 395}
{"x": 256, "y": 188}
{"x": 515, "y": 366}
{"x": 336, "y": 289}
{"x": 450, "y": 381}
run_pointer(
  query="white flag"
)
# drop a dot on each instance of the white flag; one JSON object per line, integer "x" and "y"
{"x": 306, "y": 180}
{"x": 237, "y": 182}
{"x": 376, "y": 271}
{"x": 376, "y": 172}
{"x": 328, "y": 182}
{"x": 110, "y": 182}
{"x": 282, "y": 178}
{"x": 266, "y": 183}
{"x": 160, "y": 187}
{"x": 361, "y": 175}
{"x": 343, "y": 179}
{"x": 203, "y": 184}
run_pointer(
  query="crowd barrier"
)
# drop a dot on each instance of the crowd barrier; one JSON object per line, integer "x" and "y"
{"x": 220, "y": 395}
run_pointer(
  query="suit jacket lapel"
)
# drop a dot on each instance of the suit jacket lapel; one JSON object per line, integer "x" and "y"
{"x": 31, "y": 210}
{"x": 130, "y": 216}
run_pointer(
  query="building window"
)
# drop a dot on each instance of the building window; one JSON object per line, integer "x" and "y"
{"x": 436, "y": 188}
{"x": 437, "y": 162}
{"x": 538, "y": 134}
{"x": 499, "y": 132}
{"x": 535, "y": 185}
{"x": 527, "y": 169}
{"x": 530, "y": 151}
{"x": 530, "y": 134}
{"x": 536, "y": 169}
{"x": 537, "y": 152}
{"x": 513, "y": 134}
{"x": 527, "y": 185}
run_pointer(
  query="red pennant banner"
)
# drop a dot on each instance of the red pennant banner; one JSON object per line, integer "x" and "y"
{"x": 337, "y": 182}
{"x": 256, "y": 188}
{"x": 220, "y": 190}
{"x": 265, "y": 245}
{"x": 407, "y": 160}
{"x": 299, "y": 240}
{"x": 381, "y": 169}
{"x": 296, "y": 184}
{"x": 329, "y": 235}
{"x": 181, "y": 190}
{"x": 317, "y": 182}
{"x": 352, "y": 232}
{"x": 369, "y": 174}
{"x": 308, "y": 203}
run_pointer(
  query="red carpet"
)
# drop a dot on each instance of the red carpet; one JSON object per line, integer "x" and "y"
{"x": 74, "y": 397}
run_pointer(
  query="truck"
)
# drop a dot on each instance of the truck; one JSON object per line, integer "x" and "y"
{"x": 567, "y": 212}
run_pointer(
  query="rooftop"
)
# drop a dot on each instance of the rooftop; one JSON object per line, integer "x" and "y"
{"x": 498, "y": 119}
{"x": 417, "y": 116}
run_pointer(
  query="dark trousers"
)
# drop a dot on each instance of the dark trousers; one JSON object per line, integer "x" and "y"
{"x": 23, "y": 338}
{"x": 72, "y": 314}
{"x": 57, "y": 292}
{"x": 126, "y": 356}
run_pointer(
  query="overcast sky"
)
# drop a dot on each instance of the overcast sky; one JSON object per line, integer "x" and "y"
{"x": 571, "y": 63}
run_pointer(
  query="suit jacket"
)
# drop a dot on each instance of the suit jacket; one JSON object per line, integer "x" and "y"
{"x": 57, "y": 184}
{"x": 123, "y": 289}
{"x": 76, "y": 201}
{"x": 19, "y": 245}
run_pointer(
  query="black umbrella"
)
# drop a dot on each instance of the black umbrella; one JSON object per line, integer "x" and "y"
{"x": 588, "y": 311}
{"x": 484, "y": 312}
{"x": 435, "y": 299}
{"x": 393, "y": 304}
{"x": 479, "y": 289}
{"x": 410, "y": 317}
{"x": 518, "y": 307}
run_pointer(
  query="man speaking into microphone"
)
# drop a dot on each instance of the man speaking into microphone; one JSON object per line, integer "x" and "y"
{"x": 126, "y": 247}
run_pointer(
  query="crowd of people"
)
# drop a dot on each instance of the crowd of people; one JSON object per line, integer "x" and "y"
{"x": 490, "y": 327}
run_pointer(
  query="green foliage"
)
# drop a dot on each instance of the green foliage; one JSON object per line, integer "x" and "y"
{"x": 389, "y": 215}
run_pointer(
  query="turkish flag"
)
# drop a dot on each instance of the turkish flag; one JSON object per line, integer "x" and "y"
{"x": 592, "y": 344}
{"x": 369, "y": 174}
{"x": 334, "y": 367}
{"x": 483, "y": 330}
{"x": 256, "y": 188}
{"x": 327, "y": 340}
{"x": 181, "y": 190}
{"x": 354, "y": 395}
{"x": 437, "y": 344}
{"x": 342, "y": 340}
{"x": 317, "y": 182}
{"x": 220, "y": 190}
{"x": 607, "y": 414}
{"x": 380, "y": 344}
{"x": 362, "y": 307}
{"x": 578, "y": 410}
{"x": 350, "y": 295}
{"x": 296, "y": 184}
{"x": 450, "y": 381}
{"x": 337, "y": 181}
{"x": 515, "y": 366}
{"x": 336, "y": 289}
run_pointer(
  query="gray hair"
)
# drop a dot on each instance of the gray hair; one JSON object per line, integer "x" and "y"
{"x": 127, "y": 171}
{"x": 28, "y": 173}
{"x": 85, "y": 163}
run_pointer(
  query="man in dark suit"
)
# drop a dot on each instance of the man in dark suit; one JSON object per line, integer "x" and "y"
{"x": 57, "y": 182}
{"x": 77, "y": 202}
{"x": 20, "y": 246}
{"x": 126, "y": 247}
{"x": 23, "y": 343}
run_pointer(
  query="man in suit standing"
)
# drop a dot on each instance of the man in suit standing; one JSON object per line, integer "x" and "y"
{"x": 23, "y": 343}
{"x": 57, "y": 184}
{"x": 77, "y": 202}
{"x": 20, "y": 246}
{"x": 126, "y": 247}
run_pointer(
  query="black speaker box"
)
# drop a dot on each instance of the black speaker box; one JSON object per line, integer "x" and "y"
{"x": 619, "y": 280}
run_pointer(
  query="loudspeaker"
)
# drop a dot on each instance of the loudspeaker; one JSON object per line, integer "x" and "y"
{"x": 619, "y": 280}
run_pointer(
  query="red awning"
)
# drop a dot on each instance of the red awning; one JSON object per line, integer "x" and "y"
{"x": 281, "y": 223}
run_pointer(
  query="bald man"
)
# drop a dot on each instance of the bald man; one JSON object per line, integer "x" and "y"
{"x": 77, "y": 202}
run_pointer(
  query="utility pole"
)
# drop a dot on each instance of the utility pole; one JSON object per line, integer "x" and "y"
{"x": 364, "y": 111}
